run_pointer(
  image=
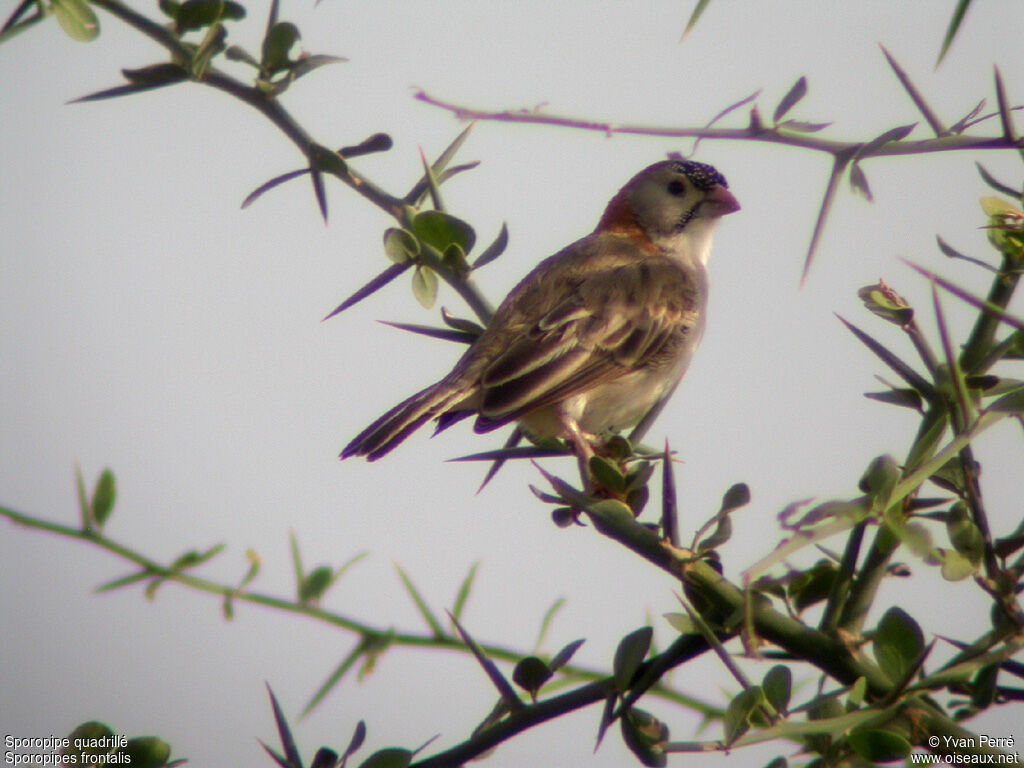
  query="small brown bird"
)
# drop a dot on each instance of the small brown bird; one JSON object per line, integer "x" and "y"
{"x": 596, "y": 335}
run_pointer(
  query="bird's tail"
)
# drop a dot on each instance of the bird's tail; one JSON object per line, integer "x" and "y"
{"x": 401, "y": 421}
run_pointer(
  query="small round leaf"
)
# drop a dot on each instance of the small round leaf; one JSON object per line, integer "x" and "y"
{"x": 630, "y": 655}
{"x": 777, "y": 685}
{"x": 442, "y": 229}
{"x": 400, "y": 245}
{"x": 424, "y": 286}
{"x": 530, "y": 674}
{"x": 77, "y": 19}
{"x": 144, "y": 752}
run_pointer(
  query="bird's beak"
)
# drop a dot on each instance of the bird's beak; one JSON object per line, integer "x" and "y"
{"x": 719, "y": 202}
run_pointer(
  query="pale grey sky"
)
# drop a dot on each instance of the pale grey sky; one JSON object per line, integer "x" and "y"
{"x": 151, "y": 326}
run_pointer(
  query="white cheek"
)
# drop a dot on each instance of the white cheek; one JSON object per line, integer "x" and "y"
{"x": 694, "y": 242}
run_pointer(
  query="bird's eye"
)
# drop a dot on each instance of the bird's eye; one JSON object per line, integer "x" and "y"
{"x": 676, "y": 188}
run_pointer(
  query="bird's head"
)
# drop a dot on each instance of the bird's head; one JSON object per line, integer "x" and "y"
{"x": 674, "y": 204}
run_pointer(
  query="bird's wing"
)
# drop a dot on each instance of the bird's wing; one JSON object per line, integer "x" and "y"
{"x": 604, "y": 322}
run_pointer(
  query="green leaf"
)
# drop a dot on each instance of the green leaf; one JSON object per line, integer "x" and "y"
{"x": 741, "y": 712}
{"x": 886, "y": 303}
{"x": 957, "y": 566}
{"x": 777, "y": 686}
{"x": 697, "y": 11}
{"x": 813, "y": 585}
{"x": 144, "y": 752}
{"x": 196, "y": 14}
{"x": 630, "y": 655}
{"x": 278, "y": 43}
{"x": 879, "y": 746}
{"x": 897, "y": 643}
{"x": 950, "y": 476}
{"x": 424, "y": 286}
{"x": 77, "y": 19}
{"x": 170, "y": 8}
{"x": 1012, "y": 402}
{"x": 83, "y": 502}
{"x": 123, "y": 581}
{"x": 880, "y": 477}
{"x": 435, "y": 174}
{"x": 155, "y": 74}
{"x": 646, "y": 737}
{"x": 432, "y": 183}
{"x": 954, "y": 26}
{"x": 549, "y": 616}
{"x": 682, "y": 623}
{"x": 454, "y": 258}
{"x": 367, "y": 646}
{"x": 611, "y": 510}
{"x": 400, "y": 245}
{"x": 87, "y": 737}
{"x": 737, "y": 496}
{"x": 858, "y": 691}
{"x": 103, "y": 498}
{"x": 315, "y": 584}
{"x": 607, "y": 474}
{"x": 324, "y": 758}
{"x": 296, "y": 561}
{"x": 917, "y": 538}
{"x": 441, "y": 229}
{"x": 391, "y": 757}
{"x": 238, "y": 53}
{"x": 463, "y": 593}
{"x": 999, "y": 209}
{"x": 212, "y": 44}
{"x": 964, "y": 535}
{"x": 530, "y": 674}
{"x": 797, "y": 92}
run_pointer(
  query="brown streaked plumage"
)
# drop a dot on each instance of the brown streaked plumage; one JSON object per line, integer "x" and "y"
{"x": 596, "y": 335}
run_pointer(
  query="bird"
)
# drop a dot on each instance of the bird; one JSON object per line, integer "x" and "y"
{"x": 594, "y": 336}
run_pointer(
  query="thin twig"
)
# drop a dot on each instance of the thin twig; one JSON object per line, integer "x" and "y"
{"x": 766, "y": 135}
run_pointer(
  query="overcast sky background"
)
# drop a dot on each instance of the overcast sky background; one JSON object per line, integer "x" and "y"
{"x": 150, "y": 325}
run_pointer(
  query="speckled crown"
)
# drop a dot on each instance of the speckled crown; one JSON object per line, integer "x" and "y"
{"x": 703, "y": 176}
